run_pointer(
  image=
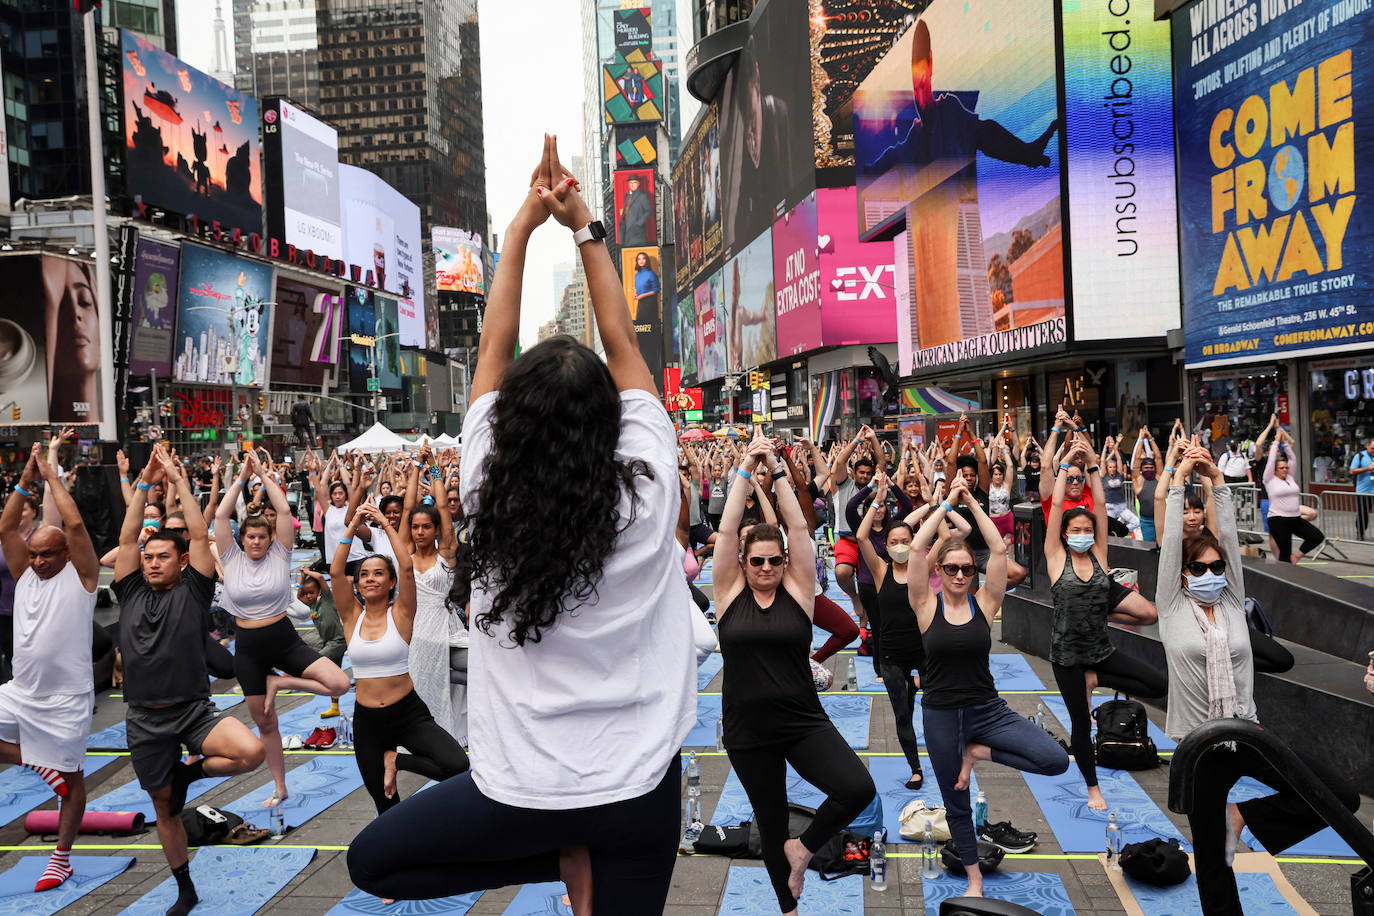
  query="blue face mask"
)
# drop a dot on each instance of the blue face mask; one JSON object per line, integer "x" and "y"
{"x": 1080, "y": 543}
{"x": 1206, "y": 588}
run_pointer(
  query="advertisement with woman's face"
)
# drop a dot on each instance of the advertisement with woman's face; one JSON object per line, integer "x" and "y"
{"x": 73, "y": 326}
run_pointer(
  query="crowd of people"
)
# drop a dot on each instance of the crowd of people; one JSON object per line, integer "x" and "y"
{"x": 557, "y": 627}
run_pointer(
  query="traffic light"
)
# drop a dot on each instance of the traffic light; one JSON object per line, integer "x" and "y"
{"x": 15, "y": 413}
{"x": 262, "y": 403}
{"x": 755, "y": 379}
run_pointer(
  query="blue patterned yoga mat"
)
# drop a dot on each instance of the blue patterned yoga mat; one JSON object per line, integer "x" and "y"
{"x": 315, "y": 785}
{"x": 132, "y": 797}
{"x": 358, "y": 903}
{"x": 115, "y": 737}
{"x": 707, "y": 671}
{"x": 850, "y": 715}
{"x": 1009, "y": 672}
{"x": 1258, "y": 895}
{"x": 889, "y": 777}
{"x": 748, "y": 892}
{"x": 733, "y": 806}
{"x": 18, "y": 898}
{"x": 305, "y": 718}
{"x": 22, "y": 790}
{"x": 1325, "y": 842}
{"x": 1064, "y": 800}
{"x": 1042, "y": 892}
{"x": 544, "y": 899}
{"x": 1055, "y": 704}
{"x": 231, "y": 880}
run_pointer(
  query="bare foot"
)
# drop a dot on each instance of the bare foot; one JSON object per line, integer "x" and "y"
{"x": 389, "y": 774}
{"x": 269, "y": 699}
{"x": 387, "y": 901}
{"x": 975, "y": 882}
{"x": 276, "y": 798}
{"x": 1095, "y": 799}
{"x": 797, "y": 856}
{"x": 1237, "y": 819}
{"x": 966, "y": 770}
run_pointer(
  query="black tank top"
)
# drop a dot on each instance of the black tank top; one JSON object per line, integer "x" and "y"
{"x": 768, "y": 696}
{"x": 901, "y": 637}
{"x": 957, "y": 672}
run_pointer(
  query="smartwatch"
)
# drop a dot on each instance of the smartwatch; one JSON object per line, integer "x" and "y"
{"x": 592, "y": 232}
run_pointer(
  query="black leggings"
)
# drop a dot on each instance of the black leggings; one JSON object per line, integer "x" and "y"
{"x": 452, "y": 839}
{"x": 901, "y": 693}
{"x": 1283, "y": 529}
{"x": 434, "y": 753}
{"x": 1118, "y": 671}
{"x": 825, "y": 760}
{"x": 868, "y": 597}
{"x": 260, "y": 650}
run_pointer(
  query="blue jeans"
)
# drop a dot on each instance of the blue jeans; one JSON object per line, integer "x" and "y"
{"x": 1015, "y": 742}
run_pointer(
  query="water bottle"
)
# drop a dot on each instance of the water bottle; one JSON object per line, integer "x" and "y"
{"x": 980, "y": 811}
{"x": 1040, "y": 715}
{"x": 277, "y": 820}
{"x": 720, "y": 733}
{"x": 691, "y": 812}
{"x": 853, "y": 682}
{"x": 1113, "y": 843}
{"x": 345, "y": 737}
{"x": 877, "y": 860}
{"x": 930, "y": 860}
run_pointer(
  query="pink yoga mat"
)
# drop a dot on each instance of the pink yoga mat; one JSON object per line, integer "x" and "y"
{"x": 109, "y": 822}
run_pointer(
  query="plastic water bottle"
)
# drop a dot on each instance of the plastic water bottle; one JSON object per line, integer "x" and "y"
{"x": 720, "y": 734}
{"x": 877, "y": 860}
{"x": 930, "y": 860}
{"x": 277, "y": 819}
{"x": 1040, "y": 715}
{"x": 980, "y": 810}
{"x": 1113, "y": 843}
{"x": 345, "y": 736}
{"x": 853, "y": 682}
{"x": 691, "y": 812}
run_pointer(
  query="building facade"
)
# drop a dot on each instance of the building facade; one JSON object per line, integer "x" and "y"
{"x": 276, "y": 49}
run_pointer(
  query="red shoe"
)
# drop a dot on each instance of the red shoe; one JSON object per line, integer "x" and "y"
{"x": 325, "y": 738}
{"x": 314, "y": 739}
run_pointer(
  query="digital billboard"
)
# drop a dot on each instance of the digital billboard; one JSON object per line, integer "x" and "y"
{"x": 642, "y": 275}
{"x": 1276, "y": 255}
{"x": 765, "y": 123}
{"x": 50, "y": 365}
{"x": 190, "y": 142}
{"x": 857, "y": 278}
{"x": 1119, "y": 128}
{"x": 712, "y": 327}
{"x": 633, "y": 29}
{"x": 302, "y": 312}
{"x": 155, "y": 308}
{"x": 362, "y": 321}
{"x": 382, "y": 229}
{"x": 797, "y": 273}
{"x": 696, "y": 199}
{"x": 953, "y": 136}
{"x": 685, "y": 338}
{"x": 223, "y": 313}
{"x": 635, "y": 214}
{"x": 750, "y": 300}
{"x": 388, "y": 346}
{"x": 632, "y": 91}
{"x": 457, "y": 261}
{"x": 302, "y": 158}
{"x": 636, "y": 145}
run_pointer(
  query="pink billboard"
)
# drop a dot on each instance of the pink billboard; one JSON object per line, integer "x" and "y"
{"x": 858, "y": 280}
{"x": 797, "y": 274}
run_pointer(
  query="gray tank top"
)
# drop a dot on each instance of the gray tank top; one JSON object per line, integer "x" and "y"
{"x": 1079, "y": 632}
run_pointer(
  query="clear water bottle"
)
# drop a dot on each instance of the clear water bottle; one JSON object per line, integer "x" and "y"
{"x": 980, "y": 810}
{"x": 877, "y": 861}
{"x": 1040, "y": 715}
{"x": 277, "y": 821}
{"x": 930, "y": 859}
{"x": 720, "y": 733}
{"x": 691, "y": 810}
{"x": 345, "y": 736}
{"x": 1113, "y": 843}
{"x": 853, "y": 682}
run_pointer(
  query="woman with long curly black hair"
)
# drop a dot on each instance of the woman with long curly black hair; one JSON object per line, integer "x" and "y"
{"x": 581, "y": 656}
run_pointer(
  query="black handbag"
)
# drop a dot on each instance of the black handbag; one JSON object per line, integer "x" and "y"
{"x": 206, "y": 826}
{"x": 1157, "y": 861}
{"x": 731, "y": 842}
{"x": 990, "y": 856}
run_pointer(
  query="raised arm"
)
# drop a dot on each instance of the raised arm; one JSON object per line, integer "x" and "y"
{"x": 126, "y": 484}
{"x": 197, "y": 532}
{"x": 224, "y": 511}
{"x": 875, "y": 563}
{"x": 727, "y": 573}
{"x": 801, "y": 552}
{"x": 1092, "y": 468}
{"x": 821, "y": 467}
{"x": 286, "y": 531}
{"x": 995, "y": 580}
{"x": 918, "y": 567}
{"x": 839, "y": 468}
{"x": 79, "y": 544}
{"x": 11, "y": 538}
{"x": 403, "y": 607}
{"x": 1062, "y": 424}
{"x": 984, "y": 470}
{"x": 1269, "y": 465}
{"x": 127, "y": 559}
{"x": 340, "y": 585}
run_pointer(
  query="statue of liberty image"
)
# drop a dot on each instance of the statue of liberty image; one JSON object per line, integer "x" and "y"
{"x": 245, "y": 318}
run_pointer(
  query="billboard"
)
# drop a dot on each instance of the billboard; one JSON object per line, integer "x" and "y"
{"x": 797, "y": 273}
{"x": 303, "y": 314}
{"x": 636, "y": 145}
{"x": 457, "y": 261}
{"x": 632, "y": 91}
{"x": 711, "y": 327}
{"x": 696, "y": 199}
{"x": 223, "y": 314}
{"x": 641, "y": 271}
{"x": 635, "y": 222}
{"x": 382, "y": 228}
{"x": 1119, "y": 130}
{"x": 685, "y": 338}
{"x": 752, "y": 306}
{"x": 362, "y": 321}
{"x": 633, "y": 29}
{"x": 388, "y": 346}
{"x": 155, "y": 308}
{"x": 1276, "y": 254}
{"x": 190, "y": 142}
{"x": 858, "y": 298}
{"x": 50, "y": 366}
{"x": 952, "y": 136}
{"x": 302, "y": 158}
{"x": 765, "y": 125}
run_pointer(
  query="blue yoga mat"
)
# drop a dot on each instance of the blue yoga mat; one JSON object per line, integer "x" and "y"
{"x": 1042, "y": 892}
{"x": 890, "y": 775}
{"x": 748, "y": 891}
{"x": 1257, "y": 893}
{"x": 850, "y": 715}
{"x": 708, "y": 669}
{"x": 230, "y": 880}
{"x": 703, "y": 734}
{"x": 358, "y": 903}
{"x": 132, "y": 797}
{"x": 1325, "y": 842}
{"x": 115, "y": 737}
{"x": 1064, "y": 799}
{"x": 544, "y": 899}
{"x": 17, "y": 896}
{"x": 314, "y": 786}
{"x": 733, "y": 806}
{"x": 22, "y": 790}
{"x": 305, "y": 718}
{"x": 1009, "y": 672}
{"x": 1060, "y": 711}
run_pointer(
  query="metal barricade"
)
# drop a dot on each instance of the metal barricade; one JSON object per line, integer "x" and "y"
{"x": 1249, "y": 515}
{"x": 1343, "y": 515}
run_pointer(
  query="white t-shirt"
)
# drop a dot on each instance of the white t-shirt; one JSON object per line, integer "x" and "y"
{"x": 593, "y": 712}
{"x": 381, "y": 545}
{"x": 256, "y": 589}
{"x": 334, "y": 528}
{"x": 52, "y": 633}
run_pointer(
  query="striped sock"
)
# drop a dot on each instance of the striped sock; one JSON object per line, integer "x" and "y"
{"x": 59, "y": 869}
{"x": 51, "y": 777}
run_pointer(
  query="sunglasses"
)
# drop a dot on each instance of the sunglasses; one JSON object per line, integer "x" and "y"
{"x": 771, "y": 561}
{"x": 1196, "y": 569}
{"x": 1074, "y": 478}
{"x": 954, "y": 569}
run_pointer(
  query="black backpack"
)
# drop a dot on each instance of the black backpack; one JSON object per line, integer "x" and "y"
{"x": 206, "y": 826}
{"x": 731, "y": 842}
{"x": 1156, "y": 862}
{"x": 842, "y": 855}
{"x": 799, "y": 817}
{"x": 1123, "y": 741}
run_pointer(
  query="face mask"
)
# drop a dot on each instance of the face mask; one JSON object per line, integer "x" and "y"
{"x": 151, "y": 523}
{"x": 899, "y": 552}
{"x": 1206, "y": 588}
{"x": 1147, "y": 473}
{"x": 1081, "y": 543}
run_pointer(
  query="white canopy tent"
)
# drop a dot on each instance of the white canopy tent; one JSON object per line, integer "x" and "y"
{"x": 376, "y": 439}
{"x": 446, "y": 441}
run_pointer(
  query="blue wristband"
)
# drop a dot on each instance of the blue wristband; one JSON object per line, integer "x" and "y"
{"x": 745, "y": 474}
{"x": 145, "y": 487}
{"x": 21, "y": 491}
{"x": 1168, "y": 469}
{"x": 345, "y": 540}
{"x": 1065, "y": 467}
{"x": 947, "y": 507}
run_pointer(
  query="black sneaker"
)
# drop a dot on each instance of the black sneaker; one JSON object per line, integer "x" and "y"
{"x": 1007, "y": 838}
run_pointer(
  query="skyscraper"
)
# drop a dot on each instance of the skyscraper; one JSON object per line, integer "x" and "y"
{"x": 276, "y": 49}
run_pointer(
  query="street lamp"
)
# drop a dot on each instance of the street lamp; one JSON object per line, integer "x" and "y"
{"x": 371, "y": 342}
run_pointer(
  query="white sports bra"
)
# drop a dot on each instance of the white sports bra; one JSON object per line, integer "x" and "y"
{"x": 385, "y": 657}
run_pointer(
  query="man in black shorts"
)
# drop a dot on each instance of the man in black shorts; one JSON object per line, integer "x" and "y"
{"x": 164, "y": 592}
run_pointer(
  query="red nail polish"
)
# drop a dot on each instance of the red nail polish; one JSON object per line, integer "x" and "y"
{"x": 539, "y": 191}
{"x": 571, "y": 182}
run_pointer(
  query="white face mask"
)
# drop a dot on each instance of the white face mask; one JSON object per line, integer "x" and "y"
{"x": 899, "y": 553}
